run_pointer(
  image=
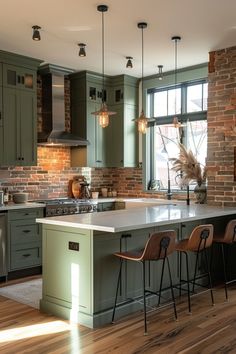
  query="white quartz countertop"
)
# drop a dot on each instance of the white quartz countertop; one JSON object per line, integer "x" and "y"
{"x": 13, "y": 206}
{"x": 138, "y": 217}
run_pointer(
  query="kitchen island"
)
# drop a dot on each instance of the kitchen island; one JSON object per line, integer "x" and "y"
{"x": 80, "y": 271}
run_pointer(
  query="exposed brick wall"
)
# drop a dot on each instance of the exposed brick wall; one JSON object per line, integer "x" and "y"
{"x": 222, "y": 128}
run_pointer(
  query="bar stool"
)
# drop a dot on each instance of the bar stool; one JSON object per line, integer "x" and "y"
{"x": 158, "y": 247}
{"x": 198, "y": 242}
{"x": 227, "y": 239}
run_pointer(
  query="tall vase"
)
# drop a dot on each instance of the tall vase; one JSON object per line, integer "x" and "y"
{"x": 201, "y": 193}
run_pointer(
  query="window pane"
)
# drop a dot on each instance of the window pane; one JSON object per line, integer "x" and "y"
{"x": 205, "y": 96}
{"x": 160, "y": 104}
{"x": 194, "y": 98}
{"x": 166, "y": 138}
{"x": 197, "y": 139}
{"x": 174, "y": 101}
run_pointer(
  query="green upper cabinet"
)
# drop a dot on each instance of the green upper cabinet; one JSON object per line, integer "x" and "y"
{"x": 18, "y": 104}
{"x": 1, "y": 119}
{"x": 115, "y": 145}
{"x": 19, "y": 109}
{"x": 86, "y": 98}
{"x": 18, "y": 77}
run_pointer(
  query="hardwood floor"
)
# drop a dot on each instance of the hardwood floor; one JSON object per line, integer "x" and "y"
{"x": 208, "y": 330}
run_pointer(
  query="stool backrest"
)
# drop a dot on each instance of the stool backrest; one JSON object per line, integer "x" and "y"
{"x": 201, "y": 237}
{"x": 159, "y": 245}
{"x": 230, "y": 232}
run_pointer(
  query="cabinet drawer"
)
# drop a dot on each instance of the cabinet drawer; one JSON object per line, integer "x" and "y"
{"x": 25, "y": 258}
{"x": 24, "y": 233}
{"x": 25, "y": 214}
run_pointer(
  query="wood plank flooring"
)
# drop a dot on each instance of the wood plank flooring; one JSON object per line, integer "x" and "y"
{"x": 208, "y": 330}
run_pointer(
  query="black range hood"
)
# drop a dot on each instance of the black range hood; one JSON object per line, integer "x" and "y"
{"x": 53, "y": 109}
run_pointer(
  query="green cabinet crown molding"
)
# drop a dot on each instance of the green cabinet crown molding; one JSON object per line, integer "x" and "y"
{"x": 52, "y": 68}
{"x": 20, "y": 60}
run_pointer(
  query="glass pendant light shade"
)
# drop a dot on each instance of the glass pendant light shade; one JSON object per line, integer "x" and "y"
{"x": 103, "y": 114}
{"x": 142, "y": 120}
{"x": 142, "y": 123}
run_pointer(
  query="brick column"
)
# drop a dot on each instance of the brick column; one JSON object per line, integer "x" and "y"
{"x": 222, "y": 128}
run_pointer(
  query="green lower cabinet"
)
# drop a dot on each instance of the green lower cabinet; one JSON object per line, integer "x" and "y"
{"x": 72, "y": 286}
{"x": 24, "y": 239}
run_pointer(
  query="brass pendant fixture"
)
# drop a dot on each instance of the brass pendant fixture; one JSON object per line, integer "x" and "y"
{"x": 142, "y": 120}
{"x": 103, "y": 114}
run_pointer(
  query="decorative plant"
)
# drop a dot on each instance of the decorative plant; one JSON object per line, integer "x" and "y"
{"x": 188, "y": 167}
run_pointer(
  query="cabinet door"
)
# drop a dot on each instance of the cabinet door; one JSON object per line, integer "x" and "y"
{"x": 11, "y": 112}
{"x": 19, "y": 109}
{"x": 114, "y": 138}
{"x": 1, "y": 129}
{"x": 95, "y": 135}
{"x": 19, "y": 77}
{"x": 28, "y": 128}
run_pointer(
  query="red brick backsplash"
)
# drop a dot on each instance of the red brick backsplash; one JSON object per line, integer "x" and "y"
{"x": 221, "y": 127}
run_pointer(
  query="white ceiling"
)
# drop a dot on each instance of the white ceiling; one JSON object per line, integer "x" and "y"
{"x": 204, "y": 25}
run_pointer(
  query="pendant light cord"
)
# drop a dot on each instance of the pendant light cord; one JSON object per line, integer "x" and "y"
{"x": 175, "y": 73}
{"x": 142, "y": 71}
{"x": 176, "y": 39}
{"x": 103, "y": 48}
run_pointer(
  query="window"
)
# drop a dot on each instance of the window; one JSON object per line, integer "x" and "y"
{"x": 187, "y": 102}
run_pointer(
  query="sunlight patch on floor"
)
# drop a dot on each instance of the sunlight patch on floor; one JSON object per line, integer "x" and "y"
{"x": 36, "y": 330}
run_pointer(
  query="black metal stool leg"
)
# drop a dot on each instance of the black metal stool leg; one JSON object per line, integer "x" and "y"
{"x": 195, "y": 271}
{"x": 180, "y": 272}
{"x": 161, "y": 281}
{"x": 209, "y": 275}
{"x": 144, "y": 299}
{"x": 187, "y": 274}
{"x": 224, "y": 269}
{"x": 117, "y": 289}
{"x": 171, "y": 287}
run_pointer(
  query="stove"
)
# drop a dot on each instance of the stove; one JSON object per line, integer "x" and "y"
{"x": 68, "y": 206}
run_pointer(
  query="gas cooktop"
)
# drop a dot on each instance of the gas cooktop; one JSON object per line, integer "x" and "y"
{"x": 68, "y": 206}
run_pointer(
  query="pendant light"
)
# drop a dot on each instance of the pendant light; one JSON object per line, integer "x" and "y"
{"x": 142, "y": 120}
{"x": 36, "y": 34}
{"x": 160, "y": 72}
{"x": 82, "y": 52}
{"x": 129, "y": 64}
{"x": 176, "y": 39}
{"x": 103, "y": 113}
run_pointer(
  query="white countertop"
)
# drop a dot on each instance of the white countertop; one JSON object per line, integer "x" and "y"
{"x": 139, "y": 217}
{"x": 13, "y": 206}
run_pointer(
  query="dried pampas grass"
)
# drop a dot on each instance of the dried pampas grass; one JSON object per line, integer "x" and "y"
{"x": 188, "y": 167}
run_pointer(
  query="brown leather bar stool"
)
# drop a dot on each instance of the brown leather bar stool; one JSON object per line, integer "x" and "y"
{"x": 200, "y": 239}
{"x": 226, "y": 239}
{"x": 158, "y": 247}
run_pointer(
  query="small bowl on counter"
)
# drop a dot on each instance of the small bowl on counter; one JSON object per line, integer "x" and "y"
{"x": 19, "y": 198}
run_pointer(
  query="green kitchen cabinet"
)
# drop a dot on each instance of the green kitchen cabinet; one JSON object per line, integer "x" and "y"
{"x": 86, "y": 98}
{"x": 115, "y": 145}
{"x": 123, "y": 133}
{"x": 19, "y": 77}
{"x": 19, "y": 110}
{"x": 18, "y": 128}
{"x": 1, "y": 128}
{"x": 24, "y": 239}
